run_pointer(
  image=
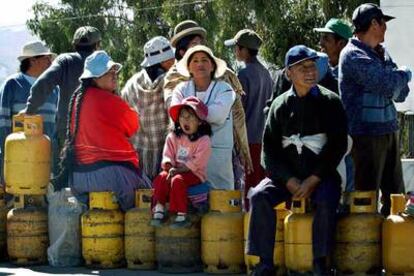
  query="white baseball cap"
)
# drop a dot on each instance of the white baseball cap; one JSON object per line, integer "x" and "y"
{"x": 157, "y": 50}
{"x": 33, "y": 49}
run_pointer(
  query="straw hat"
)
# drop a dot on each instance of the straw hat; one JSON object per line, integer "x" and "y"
{"x": 182, "y": 65}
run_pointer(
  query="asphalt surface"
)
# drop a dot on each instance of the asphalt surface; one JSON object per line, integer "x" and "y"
{"x": 10, "y": 269}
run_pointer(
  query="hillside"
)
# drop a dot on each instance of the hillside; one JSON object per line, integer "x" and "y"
{"x": 11, "y": 41}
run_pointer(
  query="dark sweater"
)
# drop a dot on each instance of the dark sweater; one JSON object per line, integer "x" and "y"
{"x": 64, "y": 72}
{"x": 257, "y": 84}
{"x": 283, "y": 84}
{"x": 320, "y": 111}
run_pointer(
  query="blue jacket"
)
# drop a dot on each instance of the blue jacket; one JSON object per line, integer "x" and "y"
{"x": 13, "y": 97}
{"x": 369, "y": 82}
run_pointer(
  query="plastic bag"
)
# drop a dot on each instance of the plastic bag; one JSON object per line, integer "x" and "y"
{"x": 64, "y": 228}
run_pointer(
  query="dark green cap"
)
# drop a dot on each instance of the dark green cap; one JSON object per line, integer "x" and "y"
{"x": 86, "y": 35}
{"x": 337, "y": 26}
{"x": 245, "y": 38}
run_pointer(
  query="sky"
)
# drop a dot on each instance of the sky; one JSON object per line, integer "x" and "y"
{"x": 16, "y": 12}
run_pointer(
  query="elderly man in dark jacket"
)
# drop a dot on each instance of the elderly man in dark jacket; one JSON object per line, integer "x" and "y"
{"x": 304, "y": 141}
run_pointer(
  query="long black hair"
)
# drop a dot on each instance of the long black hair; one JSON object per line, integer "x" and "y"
{"x": 67, "y": 156}
{"x": 203, "y": 129}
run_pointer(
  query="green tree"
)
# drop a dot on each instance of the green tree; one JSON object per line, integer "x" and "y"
{"x": 127, "y": 24}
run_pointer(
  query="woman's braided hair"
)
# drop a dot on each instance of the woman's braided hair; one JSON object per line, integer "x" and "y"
{"x": 67, "y": 156}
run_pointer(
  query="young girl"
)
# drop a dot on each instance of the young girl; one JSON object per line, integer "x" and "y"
{"x": 186, "y": 153}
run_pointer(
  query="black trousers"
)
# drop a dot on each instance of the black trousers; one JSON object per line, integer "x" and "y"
{"x": 262, "y": 227}
{"x": 378, "y": 166}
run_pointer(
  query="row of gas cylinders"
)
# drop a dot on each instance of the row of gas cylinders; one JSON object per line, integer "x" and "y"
{"x": 24, "y": 227}
{"x": 215, "y": 241}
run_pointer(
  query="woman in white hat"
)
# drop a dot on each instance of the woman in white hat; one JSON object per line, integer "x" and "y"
{"x": 98, "y": 155}
{"x": 34, "y": 59}
{"x": 204, "y": 69}
{"x": 144, "y": 93}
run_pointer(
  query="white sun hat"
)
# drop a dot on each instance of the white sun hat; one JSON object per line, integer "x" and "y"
{"x": 157, "y": 50}
{"x": 97, "y": 64}
{"x": 33, "y": 49}
{"x": 182, "y": 65}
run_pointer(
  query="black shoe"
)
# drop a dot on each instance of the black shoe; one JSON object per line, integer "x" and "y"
{"x": 321, "y": 268}
{"x": 263, "y": 270}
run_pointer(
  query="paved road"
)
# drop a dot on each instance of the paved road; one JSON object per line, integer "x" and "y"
{"x": 9, "y": 269}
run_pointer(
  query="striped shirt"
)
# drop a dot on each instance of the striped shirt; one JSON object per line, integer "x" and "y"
{"x": 13, "y": 97}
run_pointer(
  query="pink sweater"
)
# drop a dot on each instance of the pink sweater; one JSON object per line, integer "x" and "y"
{"x": 194, "y": 155}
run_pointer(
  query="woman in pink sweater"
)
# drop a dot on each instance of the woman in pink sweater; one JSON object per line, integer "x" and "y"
{"x": 186, "y": 153}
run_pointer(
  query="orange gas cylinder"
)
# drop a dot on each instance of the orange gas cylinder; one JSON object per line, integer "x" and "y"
{"x": 298, "y": 238}
{"x": 27, "y": 157}
{"x": 358, "y": 236}
{"x": 139, "y": 234}
{"x": 279, "y": 252}
{"x": 222, "y": 233}
{"x": 398, "y": 239}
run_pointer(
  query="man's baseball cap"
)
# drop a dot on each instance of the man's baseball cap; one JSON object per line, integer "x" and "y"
{"x": 364, "y": 13}
{"x": 337, "y": 26}
{"x": 245, "y": 38}
{"x": 86, "y": 35}
{"x": 299, "y": 53}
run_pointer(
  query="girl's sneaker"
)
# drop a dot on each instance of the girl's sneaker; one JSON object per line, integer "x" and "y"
{"x": 158, "y": 215}
{"x": 180, "y": 221}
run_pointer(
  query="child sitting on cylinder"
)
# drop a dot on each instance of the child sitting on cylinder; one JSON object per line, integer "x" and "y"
{"x": 186, "y": 153}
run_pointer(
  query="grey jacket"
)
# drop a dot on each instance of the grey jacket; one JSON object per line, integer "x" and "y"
{"x": 64, "y": 72}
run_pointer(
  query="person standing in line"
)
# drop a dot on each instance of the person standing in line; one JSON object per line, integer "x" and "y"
{"x": 370, "y": 82}
{"x": 35, "y": 58}
{"x": 257, "y": 85}
{"x": 333, "y": 38}
{"x": 144, "y": 93}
